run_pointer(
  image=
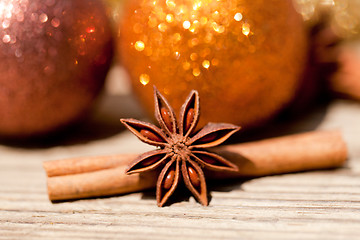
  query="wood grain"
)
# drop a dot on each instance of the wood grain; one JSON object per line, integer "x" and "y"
{"x": 307, "y": 205}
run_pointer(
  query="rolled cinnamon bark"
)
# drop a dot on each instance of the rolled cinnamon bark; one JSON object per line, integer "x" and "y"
{"x": 293, "y": 153}
{"x": 99, "y": 183}
{"x": 85, "y": 164}
{"x": 103, "y": 176}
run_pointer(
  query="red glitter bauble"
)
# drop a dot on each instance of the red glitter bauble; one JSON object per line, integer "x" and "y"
{"x": 54, "y": 56}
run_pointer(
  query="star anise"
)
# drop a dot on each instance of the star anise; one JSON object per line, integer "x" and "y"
{"x": 181, "y": 150}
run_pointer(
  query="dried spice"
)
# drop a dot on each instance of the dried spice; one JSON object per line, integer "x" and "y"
{"x": 182, "y": 151}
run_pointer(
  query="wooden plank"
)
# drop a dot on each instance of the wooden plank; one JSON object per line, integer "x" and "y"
{"x": 308, "y": 205}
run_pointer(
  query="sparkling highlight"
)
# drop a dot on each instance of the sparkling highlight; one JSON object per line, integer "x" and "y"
{"x": 206, "y": 64}
{"x": 144, "y": 79}
{"x": 186, "y": 24}
{"x": 139, "y": 46}
{"x": 169, "y": 18}
{"x": 43, "y": 18}
{"x": 196, "y": 72}
{"x": 238, "y": 17}
{"x": 6, "y": 38}
{"x": 246, "y": 29}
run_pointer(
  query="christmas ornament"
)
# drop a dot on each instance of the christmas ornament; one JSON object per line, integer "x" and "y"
{"x": 344, "y": 15}
{"x": 54, "y": 58}
{"x": 248, "y": 55}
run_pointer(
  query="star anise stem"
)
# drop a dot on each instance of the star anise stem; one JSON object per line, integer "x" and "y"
{"x": 182, "y": 152}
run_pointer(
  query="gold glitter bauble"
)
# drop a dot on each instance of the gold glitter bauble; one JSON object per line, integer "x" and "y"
{"x": 244, "y": 57}
{"x": 54, "y": 56}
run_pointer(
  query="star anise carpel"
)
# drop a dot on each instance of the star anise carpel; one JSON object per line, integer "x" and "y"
{"x": 181, "y": 149}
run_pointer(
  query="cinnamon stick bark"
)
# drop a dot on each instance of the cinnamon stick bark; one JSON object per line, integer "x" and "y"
{"x": 294, "y": 153}
{"x": 103, "y": 176}
{"x": 99, "y": 183}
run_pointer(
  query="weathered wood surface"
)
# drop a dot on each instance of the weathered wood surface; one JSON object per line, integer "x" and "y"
{"x": 308, "y": 205}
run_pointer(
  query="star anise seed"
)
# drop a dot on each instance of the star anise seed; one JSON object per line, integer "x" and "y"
{"x": 181, "y": 152}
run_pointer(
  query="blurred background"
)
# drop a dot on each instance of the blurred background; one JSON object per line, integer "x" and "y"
{"x": 69, "y": 70}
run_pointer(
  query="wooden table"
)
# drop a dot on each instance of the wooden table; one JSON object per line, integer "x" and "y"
{"x": 308, "y": 205}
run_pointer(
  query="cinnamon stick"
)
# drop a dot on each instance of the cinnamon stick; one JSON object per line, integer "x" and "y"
{"x": 103, "y": 176}
{"x": 293, "y": 153}
{"x": 85, "y": 164}
{"x": 99, "y": 183}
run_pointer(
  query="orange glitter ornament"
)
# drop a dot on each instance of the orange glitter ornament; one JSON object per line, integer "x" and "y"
{"x": 244, "y": 57}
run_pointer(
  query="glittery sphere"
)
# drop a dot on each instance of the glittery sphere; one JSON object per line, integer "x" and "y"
{"x": 243, "y": 56}
{"x": 54, "y": 55}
